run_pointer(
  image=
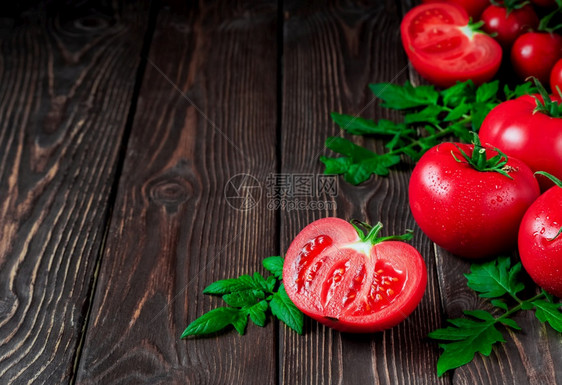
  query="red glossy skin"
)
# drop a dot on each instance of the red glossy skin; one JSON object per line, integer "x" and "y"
{"x": 540, "y": 254}
{"x": 470, "y": 213}
{"x": 556, "y": 78}
{"x": 473, "y": 8}
{"x": 535, "y": 53}
{"x": 534, "y": 138}
{"x": 442, "y": 50}
{"x": 508, "y": 26}
{"x": 346, "y": 289}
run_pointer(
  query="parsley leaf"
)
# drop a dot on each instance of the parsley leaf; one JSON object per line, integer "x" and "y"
{"x": 495, "y": 278}
{"x": 286, "y": 311}
{"x": 429, "y": 116}
{"x": 274, "y": 265}
{"x": 248, "y": 296}
{"x": 477, "y": 332}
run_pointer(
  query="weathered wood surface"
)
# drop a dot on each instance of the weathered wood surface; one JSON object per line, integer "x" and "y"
{"x": 124, "y": 130}
{"x": 206, "y": 113}
{"x": 67, "y": 76}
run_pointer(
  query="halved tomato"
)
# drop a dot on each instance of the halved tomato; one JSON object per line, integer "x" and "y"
{"x": 353, "y": 281}
{"x": 444, "y": 48}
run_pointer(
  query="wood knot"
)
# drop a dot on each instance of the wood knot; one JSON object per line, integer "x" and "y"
{"x": 169, "y": 192}
{"x": 91, "y": 23}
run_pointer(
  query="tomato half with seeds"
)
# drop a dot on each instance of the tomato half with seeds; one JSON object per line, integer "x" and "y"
{"x": 445, "y": 48}
{"x": 353, "y": 281}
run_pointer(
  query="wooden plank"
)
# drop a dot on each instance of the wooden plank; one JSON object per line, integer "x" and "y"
{"x": 67, "y": 74}
{"x": 207, "y": 112}
{"x": 331, "y": 53}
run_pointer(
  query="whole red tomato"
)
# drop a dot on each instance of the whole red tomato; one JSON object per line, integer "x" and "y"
{"x": 535, "y": 53}
{"x": 556, "y": 78}
{"x": 444, "y": 48}
{"x": 540, "y": 241}
{"x": 352, "y": 281}
{"x": 470, "y": 213}
{"x": 474, "y": 8}
{"x": 506, "y": 24}
{"x": 533, "y": 137}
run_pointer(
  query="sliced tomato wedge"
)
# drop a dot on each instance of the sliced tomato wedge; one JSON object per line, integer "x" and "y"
{"x": 444, "y": 48}
{"x": 351, "y": 281}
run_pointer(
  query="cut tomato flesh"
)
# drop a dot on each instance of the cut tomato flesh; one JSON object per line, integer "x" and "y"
{"x": 355, "y": 285}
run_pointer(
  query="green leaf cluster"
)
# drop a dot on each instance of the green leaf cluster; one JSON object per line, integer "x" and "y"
{"x": 249, "y": 297}
{"x": 478, "y": 331}
{"x": 429, "y": 116}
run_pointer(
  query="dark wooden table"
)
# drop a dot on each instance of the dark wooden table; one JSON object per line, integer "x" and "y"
{"x": 122, "y": 124}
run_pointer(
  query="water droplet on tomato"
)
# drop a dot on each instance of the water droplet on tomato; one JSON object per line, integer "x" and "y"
{"x": 542, "y": 230}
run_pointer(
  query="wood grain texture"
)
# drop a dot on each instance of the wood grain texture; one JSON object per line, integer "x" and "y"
{"x": 207, "y": 112}
{"x": 66, "y": 84}
{"x": 331, "y": 53}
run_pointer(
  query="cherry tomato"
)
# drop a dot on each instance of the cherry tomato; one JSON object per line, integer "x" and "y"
{"x": 535, "y": 53}
{"x": 556, "y": 78}
{"x": 470, "y": 213}
{"x": 350, "y": 281}
{"x": 533, "y": 137}
{"x": 474, "y": 8}
{"x": 540, "y": 243}
{"x": 508, "y": 25}
{"x": 444, "y": 49}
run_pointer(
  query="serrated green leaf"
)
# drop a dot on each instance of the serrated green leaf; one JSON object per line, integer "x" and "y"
{"x": 226, "y": 286}
{"x": 549, "y": 312}
{"x": 257, "y": 313}
{"x": 348, "y": 148}
{"x": 479, "y": 112}
{"x": 336, "y": 166}
{"x": 243, "y": 298}
{"x": 458, "y": 353}
{"x": 214, "y": 321}
{"x": 359, "y": 126}
{"x": 511, "y": 323}
{"x": 429, "y": 114}
{"x": 283, "y": 308}
{"x": 460, "y": 93}
{"x": 487, "y": 92}
{"x": 482, "y": 315}
{"x": 404, "y": 97}
{"x": 274, "y": 265}
{"x": 527, "y": 88}
{"x": 261, "y": 282}
{"x": 457, "y": 112}
{"x": 495, "y": 278}
{"x": 499, "y": 303}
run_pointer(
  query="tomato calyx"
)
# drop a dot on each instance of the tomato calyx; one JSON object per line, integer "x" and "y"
{"x": 473, "y": 28}
{"x": 370, "y": 234}
{"x": 546, "y": 106}
{"x": 479, "y": 161}
{"x": 558, "y": 183}
{"x": 510, "y": 5}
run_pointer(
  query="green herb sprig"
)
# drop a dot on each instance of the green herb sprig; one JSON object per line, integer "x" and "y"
{"x": 497, "y": 281}
{"x": 249, "y": 296}
{"x": 429, "y": 116}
